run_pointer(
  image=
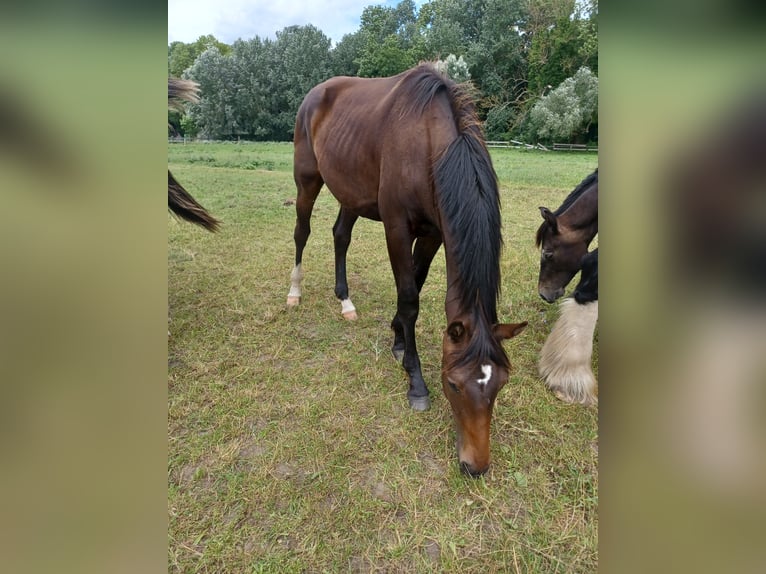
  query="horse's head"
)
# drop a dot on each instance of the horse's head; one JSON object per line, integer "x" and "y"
{"x": 471, "y": 381}
{"x": 561, "y": 253}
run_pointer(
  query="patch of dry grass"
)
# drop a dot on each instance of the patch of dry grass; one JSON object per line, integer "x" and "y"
{"x": 291, "y": 444}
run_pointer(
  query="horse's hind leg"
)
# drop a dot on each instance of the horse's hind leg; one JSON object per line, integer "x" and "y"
{"x": 422, "y": 256}
{"x": 309, "y": 183}
{"x": 342, "y": 236}
{"x": 565, "y": 359}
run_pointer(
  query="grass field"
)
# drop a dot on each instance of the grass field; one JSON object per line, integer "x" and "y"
{"x": 291, "y": 444}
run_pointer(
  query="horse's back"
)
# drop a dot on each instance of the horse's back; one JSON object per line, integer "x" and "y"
{"x": 362, "y": 135}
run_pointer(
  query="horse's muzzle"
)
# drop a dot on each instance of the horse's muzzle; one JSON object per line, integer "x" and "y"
{"x": 550, "y": 297}
{"x": 469, "y": 470}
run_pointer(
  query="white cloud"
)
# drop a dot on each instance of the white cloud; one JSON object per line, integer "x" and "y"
{"x": 229, "y": 20}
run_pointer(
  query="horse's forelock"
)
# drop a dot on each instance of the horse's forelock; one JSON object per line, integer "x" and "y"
{"x": 541, "y": 233}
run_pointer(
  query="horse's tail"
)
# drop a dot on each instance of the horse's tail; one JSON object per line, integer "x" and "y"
{"x": 180, "y": 201}
{"x": 182, "y": 204}
{"x": 180, "y": 91}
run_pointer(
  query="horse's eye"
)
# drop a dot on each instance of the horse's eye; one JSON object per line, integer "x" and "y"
{"x": 453, "y": 386}
{"x": 547, "y": 254}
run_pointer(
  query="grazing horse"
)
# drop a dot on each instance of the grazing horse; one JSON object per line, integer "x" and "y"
{"x": 180, "y": 201}
{"x": 408, "y": 151}
{"x": 564, "y": 237}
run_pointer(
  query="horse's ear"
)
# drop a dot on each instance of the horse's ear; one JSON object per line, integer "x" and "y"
{"x": 508, "y": 330}
{"x": 550, "y": 218}
{"x": 456, "y": 330}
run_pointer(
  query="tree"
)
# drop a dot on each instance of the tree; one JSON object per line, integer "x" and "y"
{"x": 299, "y": 60}
{"x": 564, "y": 45}
{"x": 216, "y": 114}
{"x": 344, "y": 57}
{"x": 388, "y": 36}
{"x": 568, "y": 112}
{"x": 454, "y": 68}
{"x": 181, "y": 56}
{"x": 497, "y": 57}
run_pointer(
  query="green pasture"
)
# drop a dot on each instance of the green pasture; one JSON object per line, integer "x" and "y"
{"x": 291, "y": 446}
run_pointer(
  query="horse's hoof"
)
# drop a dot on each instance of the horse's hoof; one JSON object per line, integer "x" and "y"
{"x": 420, "y": 404}
{"x": 586, "y": 400}
{"x": 348, "y": 310}
{"x": 293, "y": 301}
{"x": 398, "y": 354}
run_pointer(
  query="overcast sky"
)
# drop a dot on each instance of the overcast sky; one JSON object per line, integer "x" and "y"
{"x": 229, "y": 20}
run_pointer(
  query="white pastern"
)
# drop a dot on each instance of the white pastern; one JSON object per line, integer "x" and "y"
{"x": 487, "y": 371}
{"x": 348, "y": 310}
{"x": 295, "y": 284}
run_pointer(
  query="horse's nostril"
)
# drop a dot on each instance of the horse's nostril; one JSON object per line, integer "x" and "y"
{"x": 471, "y": 471}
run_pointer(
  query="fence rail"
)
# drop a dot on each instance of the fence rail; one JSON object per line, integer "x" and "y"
{"x": 572, "y": 147}
{"x": 510, "y": 144}
{"x": 515, "y": 144}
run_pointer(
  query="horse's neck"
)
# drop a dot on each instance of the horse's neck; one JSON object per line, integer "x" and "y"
{"x": 583, "y": 214}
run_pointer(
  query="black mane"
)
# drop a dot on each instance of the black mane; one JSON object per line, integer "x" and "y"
{"x": 469, "y": 201}
{"x": 573, "y": 196}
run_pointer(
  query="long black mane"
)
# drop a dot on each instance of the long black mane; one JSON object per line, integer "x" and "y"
{"x": 469, "y": 202}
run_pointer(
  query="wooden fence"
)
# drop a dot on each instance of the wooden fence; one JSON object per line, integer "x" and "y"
{"x": 514, "y": 144}
{"x": 510, "y": 144}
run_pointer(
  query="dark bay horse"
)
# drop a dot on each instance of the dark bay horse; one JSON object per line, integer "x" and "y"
{"x": 564, "y": 237}
{"x": 180, "y": 201}
{"x": 408, "y": 151}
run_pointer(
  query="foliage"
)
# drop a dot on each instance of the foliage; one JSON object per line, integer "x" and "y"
{"x": 499, "y": 119}
{"x": 254, "y": 91}
{"x": 566, "y": 113}
{"x": 181, "y": 56}
{"x": 388, "y": 38}
{"x": 566, "y": 43}
{"x": 455, "y": 68}
{"x": 514, "y": 50}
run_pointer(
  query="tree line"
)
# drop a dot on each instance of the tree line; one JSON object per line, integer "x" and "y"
{"x": 533, "y": 63}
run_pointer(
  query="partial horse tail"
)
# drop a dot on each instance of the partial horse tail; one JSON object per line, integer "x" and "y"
{"x": 180, "y": 91}
{"x": 565, "y": 359}
{"x": 182, "y": 204}
{"x": 180, "y": 201}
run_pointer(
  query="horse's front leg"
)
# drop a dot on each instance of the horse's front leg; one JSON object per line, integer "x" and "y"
{"x": 565, "y": 359}
{"x": 342, "y": 237}
{"x": 422, "y": 256}
{"x": 407, "y": 309}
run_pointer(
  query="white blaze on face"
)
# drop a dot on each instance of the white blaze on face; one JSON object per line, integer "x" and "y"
{"x": 487, "y": 371}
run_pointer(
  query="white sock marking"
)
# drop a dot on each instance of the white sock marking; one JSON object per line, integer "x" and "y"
{"x": 487, "y": 370}
{"x": 295, "y": 281}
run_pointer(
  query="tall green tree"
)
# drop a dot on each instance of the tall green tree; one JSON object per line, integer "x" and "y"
{"x": 251, "y": 60}
{"x": 181, "y": 55}
{"x": 567, "y": 113}
{"x": 299, "y": 60}
{"x": 497, "y": 55}
{"x": 345, "y": 55}
{"x": 217, "y": 115}
{"x": 566, "y": 44}
{"x": 389, "y": 38}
